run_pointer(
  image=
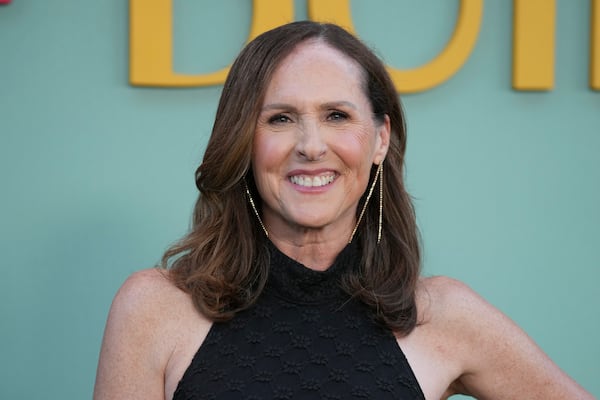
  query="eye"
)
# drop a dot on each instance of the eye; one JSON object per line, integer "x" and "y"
{"x": 337, "y": 116}
{"x": 279, "y": 119}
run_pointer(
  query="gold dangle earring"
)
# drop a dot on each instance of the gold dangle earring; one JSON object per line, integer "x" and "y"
{"x": 380, "y": 202}
{"x": 254, "y": 209}
{"x": 378, "y": 177}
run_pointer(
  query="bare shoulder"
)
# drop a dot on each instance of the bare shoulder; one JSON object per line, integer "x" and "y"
{"x": 147, "y": 290}
{"x": 149, "y": 322}
{"x": 493, "y": 357}
{"x": 445, "y": 299}
{"x": 151, "y": 278}
{"x": 439, "y": 286}
{"x": 149, "y": 300}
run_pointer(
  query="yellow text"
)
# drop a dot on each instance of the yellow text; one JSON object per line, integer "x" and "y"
{"x": 534, "y": 30}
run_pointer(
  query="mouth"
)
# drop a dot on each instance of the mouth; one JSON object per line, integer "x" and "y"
{"x": 312, "y": 180}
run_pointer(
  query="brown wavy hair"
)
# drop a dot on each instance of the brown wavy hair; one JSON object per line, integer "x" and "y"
{"x": 223, "y": 262}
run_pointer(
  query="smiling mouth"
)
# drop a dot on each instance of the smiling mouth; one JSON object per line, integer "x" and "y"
{"x": 312, "y": 181}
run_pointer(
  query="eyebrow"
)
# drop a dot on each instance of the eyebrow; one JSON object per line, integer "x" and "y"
{"x": 325, "y": 106}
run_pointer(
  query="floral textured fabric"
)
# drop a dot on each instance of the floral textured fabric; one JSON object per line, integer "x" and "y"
{"x": 303, "y": 339}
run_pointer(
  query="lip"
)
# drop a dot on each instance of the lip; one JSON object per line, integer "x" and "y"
{"x": 312, "y": 173}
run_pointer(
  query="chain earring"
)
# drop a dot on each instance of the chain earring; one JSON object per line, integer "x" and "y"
{"x": 254, "y": 209}
{"x": 378, "y": 177}
{"x": 380, "y": 202}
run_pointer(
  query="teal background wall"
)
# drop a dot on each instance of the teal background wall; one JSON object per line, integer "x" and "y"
{"x": 96, "y": 176}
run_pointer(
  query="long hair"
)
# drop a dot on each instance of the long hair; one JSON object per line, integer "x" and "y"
{"x": 223, "y": 262}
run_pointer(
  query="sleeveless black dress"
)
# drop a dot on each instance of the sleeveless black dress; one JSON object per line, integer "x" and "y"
{"x": 303, "y": 339}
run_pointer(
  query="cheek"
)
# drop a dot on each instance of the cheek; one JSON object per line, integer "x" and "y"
{"x": 358, "y": 149}
{"x": 262, "y": 150}
{"x": 268, "y": 157}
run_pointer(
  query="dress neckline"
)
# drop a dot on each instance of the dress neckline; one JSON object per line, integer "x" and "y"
{"x": 296, "y": 283}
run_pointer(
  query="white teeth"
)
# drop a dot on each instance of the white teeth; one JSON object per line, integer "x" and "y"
{"x": 303, "y": 180}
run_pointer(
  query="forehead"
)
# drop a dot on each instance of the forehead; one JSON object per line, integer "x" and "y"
{"x": 315, "y": 65}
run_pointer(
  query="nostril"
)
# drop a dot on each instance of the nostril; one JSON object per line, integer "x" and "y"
{"x": 311, "y": 147}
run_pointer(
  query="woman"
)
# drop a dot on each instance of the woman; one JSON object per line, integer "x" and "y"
{"x": 300, "y": 276}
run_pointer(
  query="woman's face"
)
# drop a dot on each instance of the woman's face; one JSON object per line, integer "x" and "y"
{"x": 316, "y": 140}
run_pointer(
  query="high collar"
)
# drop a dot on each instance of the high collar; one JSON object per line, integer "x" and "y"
{"x": 297, "y": 283}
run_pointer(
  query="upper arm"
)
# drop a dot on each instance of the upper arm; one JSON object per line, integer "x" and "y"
{"x": 499, "y": 360}
{"x": 134, "y": 349}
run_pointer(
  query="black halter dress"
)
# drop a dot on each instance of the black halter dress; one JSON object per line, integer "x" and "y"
{"x": 303, "y": 339}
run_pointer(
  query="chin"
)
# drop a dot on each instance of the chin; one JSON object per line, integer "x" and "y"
{"x": 313, "y": 223}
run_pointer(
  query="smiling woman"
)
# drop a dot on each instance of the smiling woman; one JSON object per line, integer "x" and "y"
{"x": 298, "y": 279}
{"x": 313, "y": 154}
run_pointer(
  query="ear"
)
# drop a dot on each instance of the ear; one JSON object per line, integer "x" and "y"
{"x": 383, "y": 140}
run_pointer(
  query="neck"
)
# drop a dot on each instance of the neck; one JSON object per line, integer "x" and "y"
{"x": 312, "y": 249}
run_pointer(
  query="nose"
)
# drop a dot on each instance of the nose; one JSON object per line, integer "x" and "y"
{"x": 311, "y": 144}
